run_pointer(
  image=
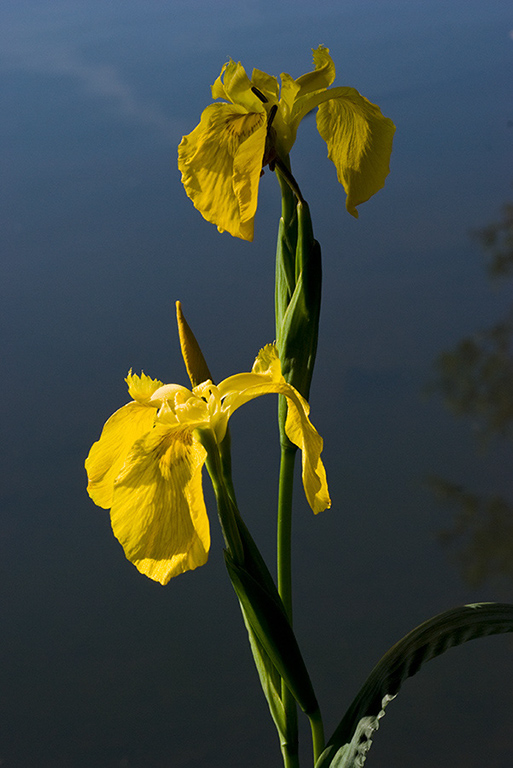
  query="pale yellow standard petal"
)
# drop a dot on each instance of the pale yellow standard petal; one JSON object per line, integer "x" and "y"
{"x": 221, "y": 162}
{"x": 108, "y": 454}
{"x": 158, "y": 514}
{"x": 359, "y": 140}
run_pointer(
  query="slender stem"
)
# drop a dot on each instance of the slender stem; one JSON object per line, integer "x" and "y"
{"x": 317, "y": 734}
{"x": 227, "y": 511}
{"x": 289, "y": 178}
{"x": 288, "y": 455}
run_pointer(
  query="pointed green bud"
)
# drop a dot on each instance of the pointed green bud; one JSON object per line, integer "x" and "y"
{"x": 195, "y": 363}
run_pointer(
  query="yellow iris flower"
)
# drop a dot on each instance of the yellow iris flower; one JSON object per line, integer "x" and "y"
{"x": 146, "y": 467}
{"x": 221, "y": 160}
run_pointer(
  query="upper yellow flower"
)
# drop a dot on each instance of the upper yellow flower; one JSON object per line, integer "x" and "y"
{"x": 146, "y": 466}
{"x": 221, "y": 160}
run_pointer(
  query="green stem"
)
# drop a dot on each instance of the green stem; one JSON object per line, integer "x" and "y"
{"x": 226, "y": 507}
{"x": 288, "y": 455}
{"x": 317, "y": 734}
{"x": 290, "y": 760}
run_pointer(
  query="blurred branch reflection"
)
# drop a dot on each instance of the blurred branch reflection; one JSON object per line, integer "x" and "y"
{"x": 476, "y": 381}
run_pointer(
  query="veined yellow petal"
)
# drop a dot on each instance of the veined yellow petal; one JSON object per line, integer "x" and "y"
{"x": 158, "y": 513}
{"x": 322, "y": 76}
{"x": 221, "y": 162}
{"x": 359, "y": 140}
{"x": 108, "y": 454}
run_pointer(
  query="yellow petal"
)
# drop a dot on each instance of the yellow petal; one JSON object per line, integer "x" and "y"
{"x": 289, "y": 91}
{"x": 158, "y": 514}
{"x": 108, "y": 454}
{"x": 266, "y": 84}
{"x": 359, "y": 140}
{"x": 218, "y": 89}
{"x": 302, "y": 433}
{"x": 323, "y": 74}
{"x": 267, "y": 362}
{"x": 234, "y": 85}
{"x": 221, "y": 162}
{"x": 237, "y": 87}
{"x": 141, "y": 387}
{"x": 266, "y": 368}
{"x": 266, "y": 378}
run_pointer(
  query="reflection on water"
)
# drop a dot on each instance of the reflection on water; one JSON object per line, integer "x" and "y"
{"x": 476, "y": 380}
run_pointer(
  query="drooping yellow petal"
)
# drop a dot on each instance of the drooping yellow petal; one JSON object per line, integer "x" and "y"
{"x": 266, "y": 378}
{"x": 359, "y": 140}
{"x": 266, "y": 368}
{"x": 158, "y": 513}
{"x": 108, "y": 454}
{"x": 302, "y": 433}
{"x": 221, "y": 162}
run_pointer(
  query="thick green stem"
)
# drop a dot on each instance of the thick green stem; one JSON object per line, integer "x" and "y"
{"x": 290, "y": 760}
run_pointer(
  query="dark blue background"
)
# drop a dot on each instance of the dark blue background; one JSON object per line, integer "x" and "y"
{"x": 101, "y": 668}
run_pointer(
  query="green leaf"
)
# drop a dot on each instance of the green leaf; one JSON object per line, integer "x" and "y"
{"x": 348, "y": 746}
{"x": 269, "y": 680}
{"x": 268, "y": 620}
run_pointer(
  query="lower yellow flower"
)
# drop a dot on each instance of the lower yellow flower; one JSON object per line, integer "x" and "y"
{"x": 146, "y": 467}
